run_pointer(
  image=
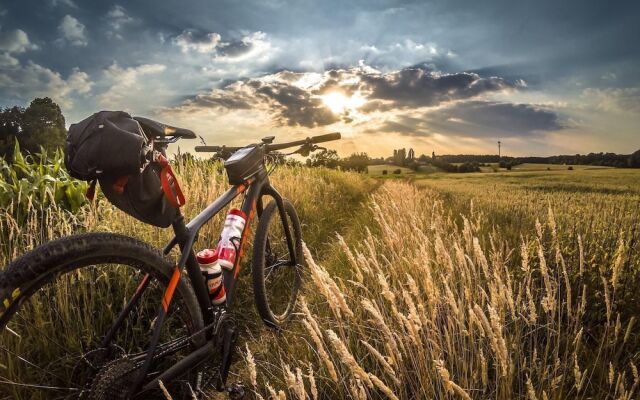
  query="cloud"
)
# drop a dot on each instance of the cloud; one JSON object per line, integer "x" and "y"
{"x": 6, "y": 60}
{"x": 254, "y": 45}
{"x": 251, "y": 46}
{"x": 404, "y": 52}
{"x": 16, "y": 41}
{"x": 618, "y": 100}
{"x": 117, "y": 18}
{"x": 72, "y": 31}
{"x": 487, "y": 119}
{"x": 294, "y": 106}
{"x": 296, "y": 98}
{"x": 200, "y": 43}
{"x": 421, "y": 87}
{"x": 126, "y": 82}
{"x": 236, "y": 96}
{"x": 33, "y": 80}
{"x": 68, "y": 3}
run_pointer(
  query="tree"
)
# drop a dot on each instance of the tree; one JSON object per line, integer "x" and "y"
{"x": 43, "y": 125}
{"x": 325, "y": 158}
{"x": 355, "y": 162}
{"x": 11, "y": 125}
{"x": 634, "y": 160}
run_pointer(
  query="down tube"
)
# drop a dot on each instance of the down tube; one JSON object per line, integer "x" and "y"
{"x": 249, "y": 209}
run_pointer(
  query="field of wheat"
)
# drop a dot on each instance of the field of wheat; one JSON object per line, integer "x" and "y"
{"x": 499, "y": 287}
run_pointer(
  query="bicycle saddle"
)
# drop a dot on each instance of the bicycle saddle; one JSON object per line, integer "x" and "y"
{"x": 158, "y": 129}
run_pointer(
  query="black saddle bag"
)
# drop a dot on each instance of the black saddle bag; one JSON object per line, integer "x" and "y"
{"x": 110, "y": 147}
{"x": 108, "y": 142}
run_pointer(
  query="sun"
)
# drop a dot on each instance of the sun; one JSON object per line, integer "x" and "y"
{"x": 338, "y": 103}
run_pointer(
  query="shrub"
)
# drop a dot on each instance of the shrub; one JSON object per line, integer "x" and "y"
{"x": 397, "y": 171}
{"x": 384, "y": 172}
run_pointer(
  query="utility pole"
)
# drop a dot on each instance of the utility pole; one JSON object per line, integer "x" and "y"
{"x": 499, "y": 143}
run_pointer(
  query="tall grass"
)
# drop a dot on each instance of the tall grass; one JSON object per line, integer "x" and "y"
{"x": 82, "y": 305}
{"x": 448, "y": 291}
{"x": 313, "y": 192}
{"x": 430, "y": 304}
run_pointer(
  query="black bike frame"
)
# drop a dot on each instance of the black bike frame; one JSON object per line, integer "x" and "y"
{"x": 185, "y": 236}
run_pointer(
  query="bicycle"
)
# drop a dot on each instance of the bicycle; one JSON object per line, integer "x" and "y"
{"x": 167, "y": 328}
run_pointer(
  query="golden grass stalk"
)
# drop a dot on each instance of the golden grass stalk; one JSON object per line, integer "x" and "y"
{"x": 383, "y": 361}
{"x": 251, "y": 366}
{"x": 347, "y": 358}
{"x": 449, "y": 385}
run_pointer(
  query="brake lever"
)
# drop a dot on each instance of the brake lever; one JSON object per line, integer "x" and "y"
{"x": 305, "y": 149}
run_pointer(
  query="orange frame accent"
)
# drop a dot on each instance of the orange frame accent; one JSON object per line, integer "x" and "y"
{"x": 173, "y": 283}
{"x": 245, "y": 235}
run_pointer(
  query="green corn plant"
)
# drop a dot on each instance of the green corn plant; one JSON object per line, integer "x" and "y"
{"x": 37, "y": 182}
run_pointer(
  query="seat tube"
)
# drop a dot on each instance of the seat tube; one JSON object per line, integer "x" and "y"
{"x": 193, "y": 270}
{"x": 249, "y": 207}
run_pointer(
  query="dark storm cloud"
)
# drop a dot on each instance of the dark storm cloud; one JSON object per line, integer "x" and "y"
{"x": 491, "y": 119}
{"x": 237, "y": 48}
{"x": 559, "y": 48}
{"x": 293, "y": 105}
{"x": 477, "y": 119}
{"x": 547, "y": 38}
{"x": 288, "y": 104}
{"x": 420, "y": 87}
{"x": 214, "y": 100}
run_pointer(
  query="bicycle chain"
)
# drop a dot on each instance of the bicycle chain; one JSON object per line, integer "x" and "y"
{"x": 114, "y": 379}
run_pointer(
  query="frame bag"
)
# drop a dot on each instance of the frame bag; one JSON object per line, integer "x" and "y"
{"x": 110, "y": 147}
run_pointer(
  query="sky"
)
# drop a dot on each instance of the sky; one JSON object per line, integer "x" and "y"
{"x": 450, "y": 76}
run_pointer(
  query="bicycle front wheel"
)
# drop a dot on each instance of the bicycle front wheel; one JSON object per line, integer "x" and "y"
{"x": 58, "y": 302}
{"x": 276, "y": 276}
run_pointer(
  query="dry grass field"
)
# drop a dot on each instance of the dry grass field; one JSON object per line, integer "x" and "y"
{"x": 474, "y": 286}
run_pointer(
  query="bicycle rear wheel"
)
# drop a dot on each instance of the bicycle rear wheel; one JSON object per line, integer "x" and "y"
{"x": 58, "y": 302}
{"x": 276, "y": 277}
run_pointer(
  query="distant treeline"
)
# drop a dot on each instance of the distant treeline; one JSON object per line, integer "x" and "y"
{"x": 600, "y": 159}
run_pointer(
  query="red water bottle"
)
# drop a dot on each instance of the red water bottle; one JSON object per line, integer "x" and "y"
{"x": 210, "y": 268}
{"x": 230, "y": 238}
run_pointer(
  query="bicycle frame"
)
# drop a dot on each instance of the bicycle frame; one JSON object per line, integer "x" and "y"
{"x": 185, "y": 236}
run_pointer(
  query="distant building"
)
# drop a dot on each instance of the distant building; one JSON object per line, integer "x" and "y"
{"x": 399, "y": 156}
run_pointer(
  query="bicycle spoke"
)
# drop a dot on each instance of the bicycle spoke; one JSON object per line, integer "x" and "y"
{"x": 19, "y": 357}
{"x": 9, "y": 382}
{"x": 41, "y": 333}
{"x": 274, "y": 267}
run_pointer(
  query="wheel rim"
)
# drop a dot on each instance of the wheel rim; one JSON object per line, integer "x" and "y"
{"x": 281, "y": 274}
{"x": 48, "y": 348}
